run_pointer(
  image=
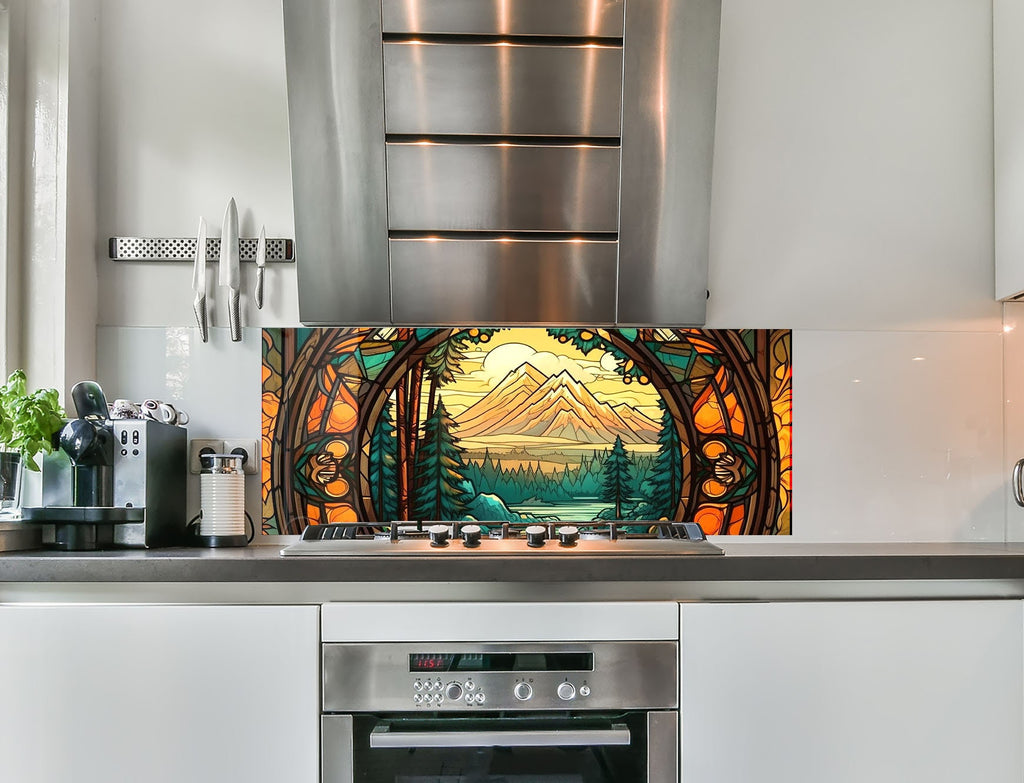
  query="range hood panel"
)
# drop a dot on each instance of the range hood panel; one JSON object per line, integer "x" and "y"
{"x": 502, "y": 188}
{"x": 437, "y": 88}
{"x": 592, "y": 18}
{"x": 503, "y": 282}
{"x": 580, "y": 132}
{"x": 336, "y": 125}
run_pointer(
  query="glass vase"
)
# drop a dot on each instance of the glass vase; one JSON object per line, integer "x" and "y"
{"x": 11, "y": 469}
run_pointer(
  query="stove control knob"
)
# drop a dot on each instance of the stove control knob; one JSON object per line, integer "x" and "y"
{"x": 471, "y": 535}
{"x": 535, "y": 535}
{"x": 584, "y": 690}
{"x": 438, "y": 535}
{"x": 566, "y": 691}
{"x": 453, "y": 692}
{"x": 568, "y": 535}
{"x": 522, "y": 691}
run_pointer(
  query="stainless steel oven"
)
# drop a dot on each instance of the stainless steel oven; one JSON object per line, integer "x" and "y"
{"x": 517, "y": 712}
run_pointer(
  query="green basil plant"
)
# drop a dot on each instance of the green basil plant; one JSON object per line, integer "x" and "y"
{"x": 28, "y": 421}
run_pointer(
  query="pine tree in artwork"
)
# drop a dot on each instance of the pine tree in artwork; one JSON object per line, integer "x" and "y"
{"x": 489, "y": 473}
{"x": 617, "y": 483}
{"x": 665, "y": 479}
{"x": 440, "y": 471}
{"x": 381, "y": 466}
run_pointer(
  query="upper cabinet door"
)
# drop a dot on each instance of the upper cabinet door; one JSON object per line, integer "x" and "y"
{"x": 1008, "y": 107}
{"x": 502, "y": 161}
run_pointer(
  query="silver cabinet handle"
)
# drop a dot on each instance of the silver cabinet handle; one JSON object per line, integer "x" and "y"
{"x": 383, "y": 737}
{"x": 1018, "y": 482}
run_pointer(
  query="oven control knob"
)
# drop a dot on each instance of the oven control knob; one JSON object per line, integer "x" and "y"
{"x": 522, "y": 691}
{"x": 438, "y": 535}
{"x": 566, "y": 691}
{"x": 568, "y": 535}
{"x": 535, "y": 535}
{"x": 584, "y": 690}
{"x": 453, "y": 692}
{"x": 471, "y": 535}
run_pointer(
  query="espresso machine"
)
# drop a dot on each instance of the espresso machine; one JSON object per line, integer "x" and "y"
{"x": 117, "y": 482}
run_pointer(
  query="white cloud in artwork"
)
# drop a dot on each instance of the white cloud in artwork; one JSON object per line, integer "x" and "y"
{"x": 501, "y": 360}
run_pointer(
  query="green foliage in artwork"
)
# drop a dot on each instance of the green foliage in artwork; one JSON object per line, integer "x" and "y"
{"x": 664, "y": 482}
{"x": 381, "y": 462}
{"x": 440, "y": 491}
{"x": 617, "y": 481}
{"x": 444, "y": 359}
{"x": 476, "y": 335}
{"x": 530, "y": 484}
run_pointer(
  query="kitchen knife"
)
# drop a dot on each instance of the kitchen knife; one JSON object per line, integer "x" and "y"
{"x": 229, "y": 274}
{"x": 261, "y": 262}
{"x": 199, "y": 281}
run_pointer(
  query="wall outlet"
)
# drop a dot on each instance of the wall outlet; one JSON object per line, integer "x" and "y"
{"x": 198, "y": 446}
{"x": 249, "y": 449}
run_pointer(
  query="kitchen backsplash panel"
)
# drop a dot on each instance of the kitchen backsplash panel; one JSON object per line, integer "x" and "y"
{"x": 567, "y": 423}
{"x": 899, "y": 437}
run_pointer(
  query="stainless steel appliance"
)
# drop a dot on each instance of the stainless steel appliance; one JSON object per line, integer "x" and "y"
{"x": 483, "y": 539}
{"x": 113, "y": 482}
{"x": 515, "y": 711}
{"x": 502, "y": 161}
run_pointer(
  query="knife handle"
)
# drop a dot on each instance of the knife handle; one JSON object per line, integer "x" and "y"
{"x": 234, "y": 317}
{"x": 258, "y": 293}
{"x": 199, "y": 306}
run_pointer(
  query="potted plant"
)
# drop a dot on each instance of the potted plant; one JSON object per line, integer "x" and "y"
{"x": 28, "y": 423}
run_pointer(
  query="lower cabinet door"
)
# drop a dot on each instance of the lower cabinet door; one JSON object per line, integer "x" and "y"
{"x": 852, "y": 692}
{"x": 161, "y": 694}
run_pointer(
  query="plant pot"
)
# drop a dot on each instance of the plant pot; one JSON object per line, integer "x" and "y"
{"x": 11, "y": 469}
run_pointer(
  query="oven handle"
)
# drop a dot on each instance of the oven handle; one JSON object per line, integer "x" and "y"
{"x": 383, "y": 737}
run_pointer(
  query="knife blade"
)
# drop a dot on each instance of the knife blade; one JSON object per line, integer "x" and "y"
{"x": 229, "y": 273}
{"x": 261, "y": 262}
{"x": 199, "y": 281}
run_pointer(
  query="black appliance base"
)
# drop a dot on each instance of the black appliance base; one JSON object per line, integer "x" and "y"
{"x": 219, "y": 541}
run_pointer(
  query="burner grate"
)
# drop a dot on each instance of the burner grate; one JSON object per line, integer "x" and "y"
{"x": 590, "y": 530}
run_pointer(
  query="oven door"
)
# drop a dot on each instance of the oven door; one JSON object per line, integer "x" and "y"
{"x": 631, "y": 747}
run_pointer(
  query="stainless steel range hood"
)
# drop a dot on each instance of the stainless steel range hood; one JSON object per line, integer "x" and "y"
{"x": 502, "y": 161}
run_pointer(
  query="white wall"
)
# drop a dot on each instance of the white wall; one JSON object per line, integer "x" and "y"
{"x": 193, "y": 112}
{"x": 852, "y": 203}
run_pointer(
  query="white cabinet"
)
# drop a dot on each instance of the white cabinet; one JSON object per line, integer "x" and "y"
{"x": 1008, "y": 128}
{"x": 907, "y": 692}
{"x": 162, "y": 694}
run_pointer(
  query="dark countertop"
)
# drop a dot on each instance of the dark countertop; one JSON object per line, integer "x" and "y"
{"x": 744, "y": 561}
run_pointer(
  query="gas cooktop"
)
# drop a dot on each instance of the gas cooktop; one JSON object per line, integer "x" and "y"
{"x": 461, "y": 539}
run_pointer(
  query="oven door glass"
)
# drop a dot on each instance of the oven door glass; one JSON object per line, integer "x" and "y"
{"x": 500, "y": 749}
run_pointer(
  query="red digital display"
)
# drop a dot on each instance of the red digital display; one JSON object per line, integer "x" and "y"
{"x": 430, "y": 662}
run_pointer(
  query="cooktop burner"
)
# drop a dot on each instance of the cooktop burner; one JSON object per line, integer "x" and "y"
{"x": 503, "y": 538}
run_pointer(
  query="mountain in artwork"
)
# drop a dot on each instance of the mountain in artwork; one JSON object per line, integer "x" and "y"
{"x": 529, "y": 403}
